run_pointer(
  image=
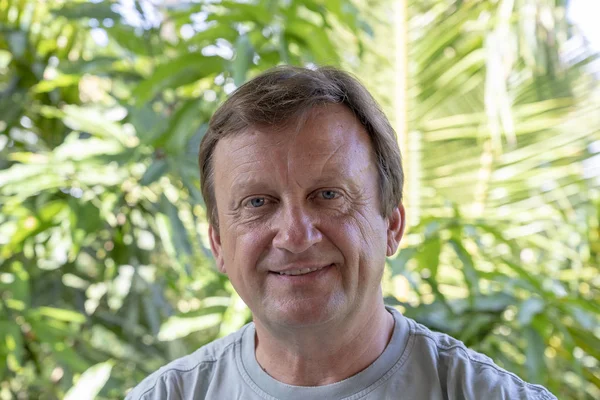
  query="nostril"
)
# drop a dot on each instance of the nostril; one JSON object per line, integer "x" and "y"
{"x": 296, "y": 238}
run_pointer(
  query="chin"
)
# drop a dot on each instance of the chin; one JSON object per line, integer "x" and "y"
{"x": 303, "y": 314}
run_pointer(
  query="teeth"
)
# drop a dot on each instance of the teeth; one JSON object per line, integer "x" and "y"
{"x": 300, "y": 271}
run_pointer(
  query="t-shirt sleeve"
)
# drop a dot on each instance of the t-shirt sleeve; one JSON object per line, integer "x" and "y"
{"x": 474, "y": 376}
{"x": 495, "y": 383}
{"x": 175, "y": 382}
{"x": 160, "y": 387}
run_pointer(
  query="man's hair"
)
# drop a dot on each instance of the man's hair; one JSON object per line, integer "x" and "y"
{"x": 284, "y": 95}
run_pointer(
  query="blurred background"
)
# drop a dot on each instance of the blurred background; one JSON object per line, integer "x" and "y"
{"x": 105, "y": 270}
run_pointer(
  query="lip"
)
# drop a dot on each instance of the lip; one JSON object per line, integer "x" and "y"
{"x": 299, "y": 267}
{"x": 321, "y": 269}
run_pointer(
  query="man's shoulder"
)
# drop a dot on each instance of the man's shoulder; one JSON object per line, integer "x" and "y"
{"x": 448, "y": 346}
{"x": 465, "y": 370}
{"x": 183, "y": 372}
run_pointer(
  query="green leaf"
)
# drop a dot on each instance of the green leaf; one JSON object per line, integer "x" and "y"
{"x": 88, "y": 217}
{"x": 531, "y": 282}
{"x": 399, "y": 263}
{"x": 81, "y": 149}
{"x": 93, "y": 121}
{"x": 534, "y": 351}
{"x": 151, "y": 313}
{"x": 12, "y": 344}
{"x": 241, "y": 12}
{"x": 76, "y": 10}
{"x": 148, "y": 124}
{"x": 178, "y": 327}
{"x": 19, "y": 172}
{"x": 429, "y": 255}
{"x": 183, "y": 70}
{"x": 18, "y": 289}
{"x": 97, "y": 66}
{"x": 157, "y": 169}
{"x": 587, "y": 341}
{"x": 17, "y": 42}
{"x": 179, "y": 236}
{"x": 477, "y": 326}
{"x": 133, "y": 312}
{"x": 60, "y": 81}
{"x": 61, "y": 314}
{"x": 529, "y": 309}
{"x": 211, "y": 34}
{"x": 183, "y": 126}
{"x": 314, "y": 39}
{"x": 91, "y": 382}
{"x": 243, "y": 59}
{"x": 127, "y": 38}
{"x": 585, "y": 318}
{"x": 468, "y": 270}
{"x": 496, "y": 303}
{"x": 436, "y": 315}
{"x": 51, "y": 210}
{"x": 71, "y": 359}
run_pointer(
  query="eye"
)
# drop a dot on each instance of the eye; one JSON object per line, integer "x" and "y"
{"x": 329, "y": 194}
{"x": 256, "y": 202}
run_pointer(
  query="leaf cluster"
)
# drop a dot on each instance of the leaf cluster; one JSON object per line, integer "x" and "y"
{"x": 105, "y": 269}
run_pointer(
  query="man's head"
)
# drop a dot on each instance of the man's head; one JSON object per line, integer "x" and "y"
{"x": 282, "y": 97}
{"x": 305, "y": 204}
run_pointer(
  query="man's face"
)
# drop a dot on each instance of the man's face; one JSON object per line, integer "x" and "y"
{"x": 301, "y": 235}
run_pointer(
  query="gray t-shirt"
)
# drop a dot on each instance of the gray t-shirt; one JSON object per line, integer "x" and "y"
{"x": 416, "y": 364}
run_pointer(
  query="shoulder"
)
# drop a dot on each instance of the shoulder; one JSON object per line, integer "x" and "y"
{"x": 465, "y": 372}
{"x": 191, "y": 372}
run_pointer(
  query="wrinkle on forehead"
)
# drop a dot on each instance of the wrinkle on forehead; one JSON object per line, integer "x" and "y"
{"x": 330, "y": 156}
{"x": 324, "y": 146}
{"x": 327, "y": 149}
{"x": 245, "y": 164}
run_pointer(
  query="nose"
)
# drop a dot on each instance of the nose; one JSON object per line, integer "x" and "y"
{"x": 296, "y": 231}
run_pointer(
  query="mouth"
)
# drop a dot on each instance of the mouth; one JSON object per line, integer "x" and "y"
{"x": 301, "y": 271}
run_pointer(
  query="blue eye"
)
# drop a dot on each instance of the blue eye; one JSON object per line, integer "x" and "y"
{"x": 329, "y": 194}
{"x": 257, "y": 202}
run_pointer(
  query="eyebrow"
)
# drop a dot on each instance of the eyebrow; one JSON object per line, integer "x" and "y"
{"x": 246, "y": 185}
{"x": 252, "y": 184}
{"x": 241, "y": 188}
{"x": 331, "y": 177}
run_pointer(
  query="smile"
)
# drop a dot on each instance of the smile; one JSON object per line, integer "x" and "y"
{"x": 302, "y": 271}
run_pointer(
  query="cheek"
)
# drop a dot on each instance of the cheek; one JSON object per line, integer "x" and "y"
{"x": 373, "y": 230}
{"x": 347, "y": 236}
{"x": 246, "y": 247}
{"x": 370, "y": 241}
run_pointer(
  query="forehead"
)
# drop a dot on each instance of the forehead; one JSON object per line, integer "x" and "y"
{"x": 326, "y": 140}
{"x": 325, "y": 126}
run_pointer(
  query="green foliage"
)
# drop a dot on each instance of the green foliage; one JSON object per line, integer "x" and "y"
{"x": 528, "y": 308}
{"x": 105, "y": 271}
{"x": 503, "y": 114}
{"x": 106, "y": 274}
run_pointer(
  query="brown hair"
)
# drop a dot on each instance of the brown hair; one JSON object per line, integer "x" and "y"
{"x": 282, "y": 95}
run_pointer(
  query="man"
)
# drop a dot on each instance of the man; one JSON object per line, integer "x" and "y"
{"x": 302, "y": 178}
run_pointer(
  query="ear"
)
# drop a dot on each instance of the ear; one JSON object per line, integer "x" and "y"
{"x": 395, "y": 230}
{"x": 215, "y": 247}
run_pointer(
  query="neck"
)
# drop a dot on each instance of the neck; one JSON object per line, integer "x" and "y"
{"x": 316, "y": 357}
